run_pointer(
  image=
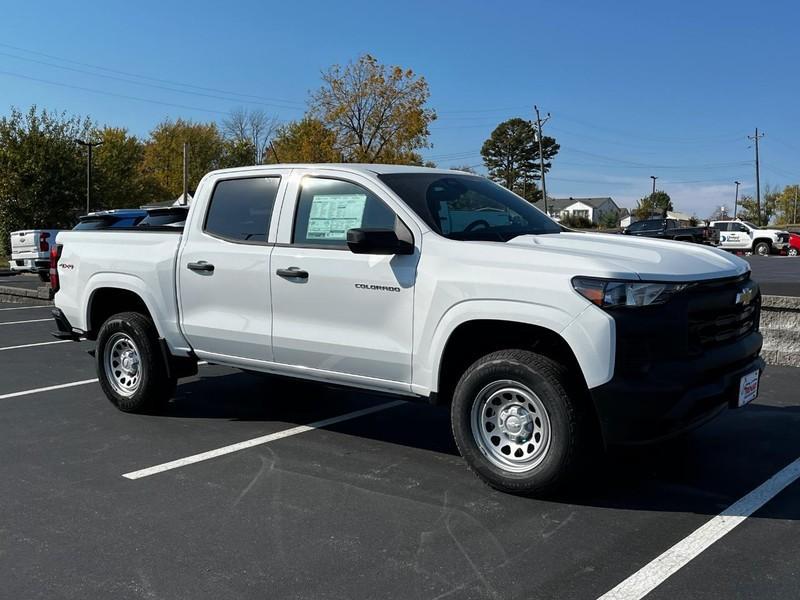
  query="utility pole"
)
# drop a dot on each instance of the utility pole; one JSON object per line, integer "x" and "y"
{"x": 755, "y": 138}
{"x": 736, "y": 198}
{"x": 539, "y": 124}
{"x": 185, "y": 173}
{"x": 89, "y": 146}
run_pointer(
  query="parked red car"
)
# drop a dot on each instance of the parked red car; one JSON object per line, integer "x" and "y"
{"x": 794, "y": 245}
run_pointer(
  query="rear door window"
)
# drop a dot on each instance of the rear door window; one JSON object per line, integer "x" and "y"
{"x": 241, "y": 209}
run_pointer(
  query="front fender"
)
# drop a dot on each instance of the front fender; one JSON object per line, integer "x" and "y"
{"x": 590, "y": 336}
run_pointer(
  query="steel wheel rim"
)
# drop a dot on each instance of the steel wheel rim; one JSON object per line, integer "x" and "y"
{"x": 762, "y": 250}
{"x": 122, "y": 363}
{"x": 511, "y": 426}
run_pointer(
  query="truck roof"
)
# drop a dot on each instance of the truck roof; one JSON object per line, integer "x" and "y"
{"x": 346, "y": 167}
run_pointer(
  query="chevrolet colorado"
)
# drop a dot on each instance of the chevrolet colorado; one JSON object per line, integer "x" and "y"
{"x": 430, "y": 284}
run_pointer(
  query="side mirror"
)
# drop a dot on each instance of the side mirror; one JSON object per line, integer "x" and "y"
{"x": 377, "y": 241}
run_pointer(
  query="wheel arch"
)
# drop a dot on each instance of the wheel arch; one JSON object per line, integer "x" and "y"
{"x": 460, "y": 350}
{"x": 105, "y": 300}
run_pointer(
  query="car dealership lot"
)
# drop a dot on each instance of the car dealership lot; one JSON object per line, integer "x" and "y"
{"x": 379, "y": 505}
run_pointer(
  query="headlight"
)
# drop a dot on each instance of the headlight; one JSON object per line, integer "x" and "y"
{"x": 608, "y": 293}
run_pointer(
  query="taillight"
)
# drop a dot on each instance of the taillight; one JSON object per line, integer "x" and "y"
{"x": 44, "y": 245}
{"x": 55, "y": 256}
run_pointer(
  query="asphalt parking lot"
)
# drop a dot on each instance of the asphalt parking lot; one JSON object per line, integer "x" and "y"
{"x": 778, "y": 275}
{"x": 372, "y": 506}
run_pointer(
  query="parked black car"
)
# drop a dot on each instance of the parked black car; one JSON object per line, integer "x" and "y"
{"x": 670, "y": 229}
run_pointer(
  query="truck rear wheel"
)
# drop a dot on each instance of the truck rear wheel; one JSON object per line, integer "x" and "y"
{"x": 129, "y": 363}
{"x": 516, "y": 423}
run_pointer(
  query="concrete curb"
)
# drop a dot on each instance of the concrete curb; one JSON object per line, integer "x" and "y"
{"x": 780, "y": 326}
{"x": 42, "y": 296}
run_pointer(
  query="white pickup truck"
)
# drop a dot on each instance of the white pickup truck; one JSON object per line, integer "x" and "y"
{"x": 742, "y": 236}
{"x": 430, "y": 284}
{"x": 30, "y": 251}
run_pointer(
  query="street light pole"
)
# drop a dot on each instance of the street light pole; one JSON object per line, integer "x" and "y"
{"x": 89, "y": 147}
{"x": 736, "y": 199}
{"x": 653, "y": 177}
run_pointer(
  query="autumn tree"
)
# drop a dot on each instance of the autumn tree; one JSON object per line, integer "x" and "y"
{"x": 163, "y": 154}
{"x": 42, "y": 171}
{"x": 118, "y": 177}
{"x": 305, "y": 141}
{"x": 250, "y": 129}
{"x": 787, "y": 205}
{"x": 653, "y": 204}
{"x": 511, "y": 154}
{"x": 749, "y": 211}
{"x": 377, "y": 112}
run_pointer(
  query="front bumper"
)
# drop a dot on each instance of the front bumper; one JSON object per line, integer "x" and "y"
{"x": 676, "y": 396}
{"x": 679, "y": 364}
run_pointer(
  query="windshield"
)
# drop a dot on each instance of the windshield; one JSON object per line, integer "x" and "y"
{"x": 468, "y": 207}
{"x": 750, "y": 225}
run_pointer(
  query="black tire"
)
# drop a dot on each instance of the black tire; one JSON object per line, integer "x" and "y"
{"x": 762, "y": 249}
{"x": 569, "y": 426}
{"x": 44, "y": 276}
{"x": 153, "y": 387}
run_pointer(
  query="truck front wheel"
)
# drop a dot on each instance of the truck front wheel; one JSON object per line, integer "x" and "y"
{"x": 762, "y": 248}
{"x": 517, "y": 423}
{"x": 129, "y": 363}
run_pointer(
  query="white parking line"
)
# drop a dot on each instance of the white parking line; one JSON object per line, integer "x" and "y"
{"x": 264, "y": 439}
{"x": 36, "y": 344}
{"x": 653, "y": 574}
{"x": 60, "y": 386}
{"x": 49, "y": 388}
{"x": 29, "y": 321}
{"x": 26, "y": 307}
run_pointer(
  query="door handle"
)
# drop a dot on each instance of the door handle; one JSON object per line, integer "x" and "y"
{"x": 292, "y": 273}
{"x": 200, "y": 266}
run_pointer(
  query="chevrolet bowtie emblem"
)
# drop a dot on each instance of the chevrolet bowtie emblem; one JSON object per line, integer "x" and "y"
{"x": 745, "y": 296}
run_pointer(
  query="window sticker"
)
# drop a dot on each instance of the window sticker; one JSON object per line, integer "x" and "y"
{"x": 332, "y": 215}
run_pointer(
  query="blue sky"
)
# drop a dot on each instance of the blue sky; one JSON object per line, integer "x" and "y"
{"x": 635, "y": 89}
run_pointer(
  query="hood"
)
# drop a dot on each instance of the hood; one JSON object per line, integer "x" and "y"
{"x": 613, "y": 255}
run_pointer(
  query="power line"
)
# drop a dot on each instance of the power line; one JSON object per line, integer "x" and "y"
{"x": 145, "y": 84}
{"x": 167, "y": 81}
{"x": 113, "y": 94}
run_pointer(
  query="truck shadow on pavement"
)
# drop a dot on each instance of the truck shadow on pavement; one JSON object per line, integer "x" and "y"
{"x": 702, "y": 472}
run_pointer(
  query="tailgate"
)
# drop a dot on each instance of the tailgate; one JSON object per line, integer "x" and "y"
{"x": 24, "y": 241}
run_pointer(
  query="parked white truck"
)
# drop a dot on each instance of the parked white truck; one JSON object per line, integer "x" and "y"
{"x": 741, "y": 236}
{"x": 30, "y": 251}
{"x": 430, "y": 284}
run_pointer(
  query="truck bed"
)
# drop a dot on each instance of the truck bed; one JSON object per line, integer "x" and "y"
{"x": 140, "y": 261}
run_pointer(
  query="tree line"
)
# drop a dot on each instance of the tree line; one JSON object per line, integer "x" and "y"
{"x": 362, "y": 112}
